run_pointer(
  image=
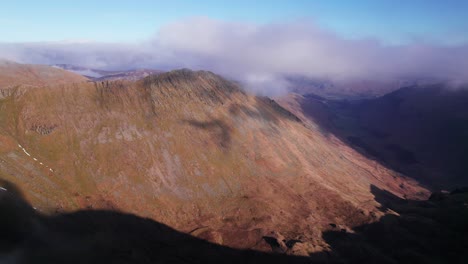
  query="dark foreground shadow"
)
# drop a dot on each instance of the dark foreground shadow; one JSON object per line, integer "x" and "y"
{"x": 106, "y": 237}
{"x": 432, "y": 231}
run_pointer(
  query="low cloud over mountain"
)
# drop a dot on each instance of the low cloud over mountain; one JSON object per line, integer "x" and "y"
{"x": 258, "y": 55}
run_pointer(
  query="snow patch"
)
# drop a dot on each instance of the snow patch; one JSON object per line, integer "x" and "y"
{"x": 24, "y": 150}
{"x": 26, "y": 153}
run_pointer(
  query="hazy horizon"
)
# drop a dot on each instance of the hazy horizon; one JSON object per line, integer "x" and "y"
{"x": 257, "y": 43}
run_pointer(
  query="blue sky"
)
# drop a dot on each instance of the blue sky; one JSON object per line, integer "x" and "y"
{"x": 397, "y": 21}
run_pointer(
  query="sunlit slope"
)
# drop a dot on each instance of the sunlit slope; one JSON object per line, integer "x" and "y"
{"x": 191, "y": 150}
{"x": 13, "y": 74}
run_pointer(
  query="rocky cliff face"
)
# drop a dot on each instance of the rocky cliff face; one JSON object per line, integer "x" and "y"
{"x": 193, "y": 151}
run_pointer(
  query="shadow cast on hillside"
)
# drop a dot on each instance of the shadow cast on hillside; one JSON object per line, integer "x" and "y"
{"x": 420, "y": 131}
{"x": 434, "y": 231}
{"x": 221, "y": 131}
{"x": 339, "y": 119}
{"x": 266, "y": 109}
{"x": 106, "y": 237}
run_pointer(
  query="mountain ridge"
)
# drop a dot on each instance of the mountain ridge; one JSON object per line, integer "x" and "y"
{"x": 193, "y": 151}
{"x": 16, "y": 74}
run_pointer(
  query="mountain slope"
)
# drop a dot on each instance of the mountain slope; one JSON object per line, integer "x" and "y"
{"x": 418, "y": 130}
{"x": 432, "y": 231}
{"x": 13, "y": 74}
{"x": 191, "y": 150}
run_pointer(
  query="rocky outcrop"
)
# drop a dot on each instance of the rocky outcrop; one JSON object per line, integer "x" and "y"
{"x": 4, "y": 93}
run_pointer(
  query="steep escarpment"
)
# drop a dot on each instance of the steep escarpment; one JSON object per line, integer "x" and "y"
{"x": 193, "y": 151}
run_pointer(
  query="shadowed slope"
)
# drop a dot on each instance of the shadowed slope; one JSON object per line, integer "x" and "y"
{"x": 420, "y": 131}
{"x": 106, "y": 237}
{"x": 431, "y": 231}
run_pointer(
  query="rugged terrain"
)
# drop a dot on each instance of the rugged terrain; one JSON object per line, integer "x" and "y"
{"x": 195, "y": 152}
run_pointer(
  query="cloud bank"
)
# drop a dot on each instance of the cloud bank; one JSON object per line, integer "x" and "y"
{"x": 258, "y": 55}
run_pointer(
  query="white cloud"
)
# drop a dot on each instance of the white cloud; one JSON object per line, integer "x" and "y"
{"x": 258, "y": 55}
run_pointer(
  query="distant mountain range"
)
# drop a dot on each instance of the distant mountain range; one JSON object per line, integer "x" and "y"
{"x": 350, "y": 89}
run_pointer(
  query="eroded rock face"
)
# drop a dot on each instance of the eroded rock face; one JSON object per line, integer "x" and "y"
{"x": 43, "y": 129}
{"x": 4, "y": 93}
{"x": 195, "y": 152}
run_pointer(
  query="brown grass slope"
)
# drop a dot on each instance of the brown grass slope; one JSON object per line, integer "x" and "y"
{"x": 13, "y": 74}
{"x": 193, "y": 151}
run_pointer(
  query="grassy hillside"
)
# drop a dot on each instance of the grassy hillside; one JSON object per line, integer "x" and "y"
{"x": 190, "y": 150}
{"x": 13, "y": 74}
